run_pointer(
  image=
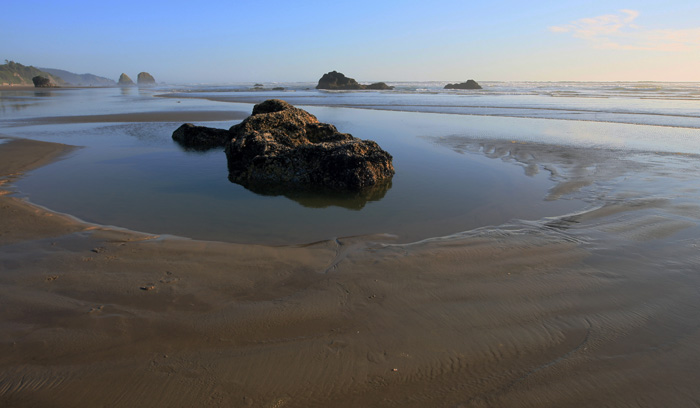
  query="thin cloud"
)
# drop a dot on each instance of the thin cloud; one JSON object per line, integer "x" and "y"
{"x": 618, "y": 31}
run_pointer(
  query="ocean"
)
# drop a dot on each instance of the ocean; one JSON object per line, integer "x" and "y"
{"x": 649, "y": 103}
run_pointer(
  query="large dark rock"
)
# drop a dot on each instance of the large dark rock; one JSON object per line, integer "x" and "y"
{"x": 145, "y": 79}
{"x": 470, "y": 84}
{"x": 336, "y": 81}
{"x": 193, "y": 137}
{"x": 43, "y": 82}
{"x": 124, "y": 80}
{"x": 280, "y": 145}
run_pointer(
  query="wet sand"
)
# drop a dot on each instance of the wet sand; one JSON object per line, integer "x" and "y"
{"x": 592, "y": 309}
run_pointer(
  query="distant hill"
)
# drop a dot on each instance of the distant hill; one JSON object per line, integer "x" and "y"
{"x": 80, "y": 79}
{"x": 13, "y": 73}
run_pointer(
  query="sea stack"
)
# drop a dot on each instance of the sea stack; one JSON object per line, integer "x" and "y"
{"x": 145, "y": 79}
{"x": 124, "y": 80}
{"x": 470, "y": 84}
{"x": 43, "y": 82}
{"x": 335, "y": 80}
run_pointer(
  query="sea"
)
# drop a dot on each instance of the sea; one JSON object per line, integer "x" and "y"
{"x": 464, "y": 159}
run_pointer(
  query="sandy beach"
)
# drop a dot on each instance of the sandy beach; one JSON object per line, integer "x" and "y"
{"x": 350, "y": 205}
{"x": 532, "y": 314}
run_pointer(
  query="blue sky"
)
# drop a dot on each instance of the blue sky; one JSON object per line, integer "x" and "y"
{"x": 241, "y": 41}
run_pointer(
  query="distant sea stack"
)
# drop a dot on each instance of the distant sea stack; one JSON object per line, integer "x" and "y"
{"x": 470, "y": 84}
{"x": 378, "y": 86}
{"x": 336, "y": 81}
{"x": 145, "y": 79}
{"x": 124, "y": 80}
{"x": 43, "y": 82}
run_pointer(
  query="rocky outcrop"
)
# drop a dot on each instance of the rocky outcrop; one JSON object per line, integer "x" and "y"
{"x": 280, "y": 149}
{"x": 283, "y": 145}
{"x": 43, "y": 82}
{"x": 145, "y": 79}
{"x": 470, "y": 84}
{"x": 201, "y": 138}
{"x": 379, "y": 86}
{"x": 124, "y": 80}
{"x": 336, "y": 81}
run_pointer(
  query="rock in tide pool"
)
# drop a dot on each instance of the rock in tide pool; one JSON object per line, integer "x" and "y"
{"x": 470, "y": 84}
{"x": 280, "y": 149}
{"x": 193, "y": 137}
{"x": 283, "y": 145}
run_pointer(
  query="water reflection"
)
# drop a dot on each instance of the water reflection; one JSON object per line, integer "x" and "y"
{"x": 11, "y": 105}
{"x": 44, "y": 94}
{"x": 322, "y": 198}
{"x": 308, "y": 197}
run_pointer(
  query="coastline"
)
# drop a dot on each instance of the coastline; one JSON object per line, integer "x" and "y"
{"x": 21, "y": 220}
{"x": 34, "y": 88}
{"x": 527, "y": 314}
{"x": 18, "y": 87}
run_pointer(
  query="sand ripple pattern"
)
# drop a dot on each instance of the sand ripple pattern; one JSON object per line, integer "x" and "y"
{"x": 598, "y": 308}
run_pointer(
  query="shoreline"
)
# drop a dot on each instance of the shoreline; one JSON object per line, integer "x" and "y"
{"x": 522, "y": 315}
{"x": 34, "y": 88}
{"x": 597, "y": 307}
{"x": 394, "y": 108}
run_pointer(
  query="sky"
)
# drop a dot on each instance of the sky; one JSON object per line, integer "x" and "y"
{"x": 298, "y": 41}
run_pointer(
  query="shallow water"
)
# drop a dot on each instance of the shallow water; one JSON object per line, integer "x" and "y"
{"x": 649, "y": 103}
{"x": 137, "y": 178}
{"x": 451, "y": 176}
{"x": 589, "y": 297}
